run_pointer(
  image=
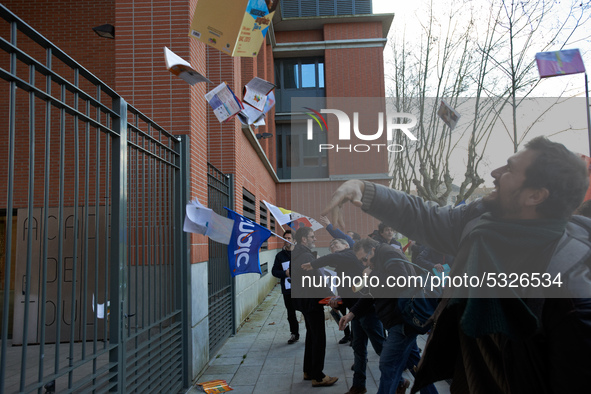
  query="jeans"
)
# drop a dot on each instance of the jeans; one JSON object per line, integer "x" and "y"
{"x": 395, "y": 354}
{"x": 336, "y": 315}
{"x": 367, "y": 327}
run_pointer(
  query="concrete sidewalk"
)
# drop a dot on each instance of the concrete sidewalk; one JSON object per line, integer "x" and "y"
{"x": 259, "y": 360}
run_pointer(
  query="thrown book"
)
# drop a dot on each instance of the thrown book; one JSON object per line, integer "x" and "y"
{"x": 224, "y": 102}
{"x": 256, "y": 91}
{"x": 449, "y": 115}
{"x": 252, "y": 116}
{"x": 182, "y": 69}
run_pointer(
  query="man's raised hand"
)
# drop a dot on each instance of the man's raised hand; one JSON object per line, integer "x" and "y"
{"x": 349, "y": 191}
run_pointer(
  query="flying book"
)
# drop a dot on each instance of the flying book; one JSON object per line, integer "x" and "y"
{"x": 224, "y": 102}
{"x": 252, "y": 116}
{"x": 182, "y": 69}
{"x": 449, "y": 115}
{"x": 256, "y": 91}
{"x": 235, "y": 27}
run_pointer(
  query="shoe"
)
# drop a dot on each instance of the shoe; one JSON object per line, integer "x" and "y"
{"x": 293, "y": 339}
{"x": 306, "y": 376}
{"x": 403, "y": 386}
{"x": 356, "y": 390}
{"x": 327, "y": 381}
{"x": 344, "y": 340}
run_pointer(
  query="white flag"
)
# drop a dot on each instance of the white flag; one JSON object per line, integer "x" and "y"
{"x": 203, "y": 220}
{"x": 281, "y": 217}
{"x": 299, "y": 220}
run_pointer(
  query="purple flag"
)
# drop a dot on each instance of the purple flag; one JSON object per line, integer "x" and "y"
{"x": 552, "y": 64}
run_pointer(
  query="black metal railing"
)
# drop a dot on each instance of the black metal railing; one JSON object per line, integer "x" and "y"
{"x": 220, "y": 284}
{"x": 91, "y": 193}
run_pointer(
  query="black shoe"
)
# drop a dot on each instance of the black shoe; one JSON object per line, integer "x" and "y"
{"x": 293, "y": 339}
{"x": 344, "y": 340}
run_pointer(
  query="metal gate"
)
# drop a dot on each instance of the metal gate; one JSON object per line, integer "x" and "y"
{"x": 220, "y": 283}
{"x": 94, "y": 281}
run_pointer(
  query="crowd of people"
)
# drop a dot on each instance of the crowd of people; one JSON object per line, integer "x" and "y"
{"x": 517, "y": 340}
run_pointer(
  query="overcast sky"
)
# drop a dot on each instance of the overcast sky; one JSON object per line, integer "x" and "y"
{"x": 500, "y": 147}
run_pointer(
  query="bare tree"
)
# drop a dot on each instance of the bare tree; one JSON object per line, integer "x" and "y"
{"x": 445, "y": 64}
{"x": 528, "y": 27}
{"x": 479, "y": 61}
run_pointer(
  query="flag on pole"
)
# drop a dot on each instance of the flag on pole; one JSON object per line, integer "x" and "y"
{"x": 291, "y": 218}
{"x": 552, "y": 64}
{"x": 298, "y": 220}
{"x": 281, "y": 215}
{"x": 245, "y": 242}
{"x": 203, "y": 220}
{"x": 587, "y": 161}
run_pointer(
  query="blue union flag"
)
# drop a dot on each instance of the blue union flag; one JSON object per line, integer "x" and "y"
{"x": 245, "y": 242}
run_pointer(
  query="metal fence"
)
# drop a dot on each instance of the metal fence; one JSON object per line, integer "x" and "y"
{"x": 220, "y": 283}
{"x": 94, "y": 280}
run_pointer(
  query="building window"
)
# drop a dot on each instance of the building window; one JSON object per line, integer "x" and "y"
{"x": 299, "y": 73}
{"x": 298, "y": 77}
{"x": 298, "y": 157}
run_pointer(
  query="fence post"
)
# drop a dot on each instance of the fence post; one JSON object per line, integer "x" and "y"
{"x": 118, "y": 241}
{"x": 182, "y": 252}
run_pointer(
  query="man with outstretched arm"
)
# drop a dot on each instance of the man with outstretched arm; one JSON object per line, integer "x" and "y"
{"x": 502, "y": 339}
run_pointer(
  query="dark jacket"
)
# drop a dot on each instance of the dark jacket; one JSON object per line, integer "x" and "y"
{"x": 278, "y": 271}
{"x": 384, "y": 266}
{"x": 542, "y": 363}
{"x": 304, "y": 297}
{"x": 346, "y": 264}
{"x": 429, "y": 257}
{"x": 382, "y": 299}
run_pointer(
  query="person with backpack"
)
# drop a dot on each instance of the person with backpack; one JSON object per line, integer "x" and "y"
{"x": 382, "y": 261}
{"x": 503, "y": 339}
{"x": 367, "y": 328}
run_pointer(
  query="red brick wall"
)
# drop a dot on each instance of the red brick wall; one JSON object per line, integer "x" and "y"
{"x": 228, "y": 147}
{"x": 68, "y": 25}
{"x": 143, "y": 29}
{"x": 299, "y": 36}
{"x": 352, "y": 31}
{"x": 353, "y": 72}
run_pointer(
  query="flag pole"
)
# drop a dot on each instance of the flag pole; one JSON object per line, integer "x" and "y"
{"x": 588, "y": 115}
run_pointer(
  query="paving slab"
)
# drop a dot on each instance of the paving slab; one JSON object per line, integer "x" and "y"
{"x": 259, "y": 360}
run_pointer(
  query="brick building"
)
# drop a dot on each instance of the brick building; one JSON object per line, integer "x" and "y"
{"x": 324, "y": 50}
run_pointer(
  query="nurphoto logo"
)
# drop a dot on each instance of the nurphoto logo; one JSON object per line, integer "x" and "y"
{"x": 395, "y": 122}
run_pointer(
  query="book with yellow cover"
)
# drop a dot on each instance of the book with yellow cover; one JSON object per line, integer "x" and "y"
{"x": 236, "y": 27}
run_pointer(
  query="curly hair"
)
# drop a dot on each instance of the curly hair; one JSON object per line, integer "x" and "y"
{"x": 561, "y": 172}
